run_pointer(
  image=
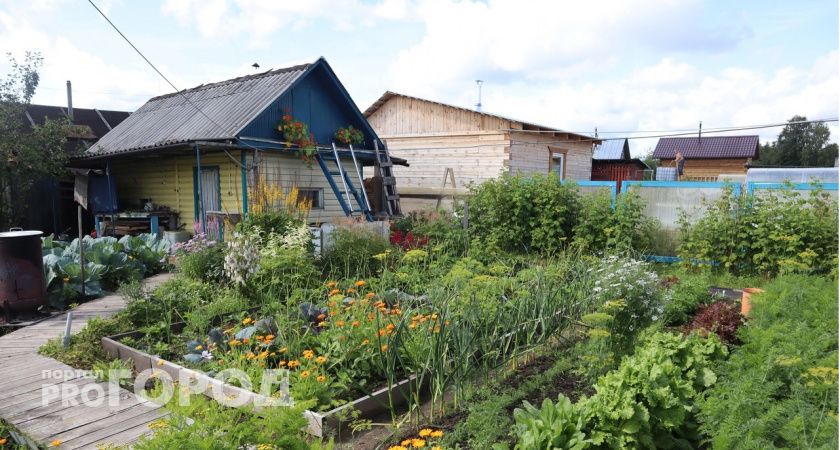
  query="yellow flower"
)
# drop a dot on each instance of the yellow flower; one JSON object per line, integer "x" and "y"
{"x": 3, "y": 441}
{"x": 251, "y": 355}
{"x": 384, "y": 347}
{"x": 366, "y": 342}
{"x": 246, "y": 341}
{"x": 355, "y": 323}
{"x": 234, "y": 342}
{"x": 269, "y": 337}
{"x": 294, "y": 363}
{"x": 262, "y": 355}
{"x": 199, "y": 347}
{"x": 340, "y": 323}
{"x": 55, "y": 443}
{"x": 397, "y": 447}
{"x": 335, "y": 292}
{"x": 331, "y": 284}
{"x": 308, "y": 354}
{"x": 351, "y": 291}
{"x": 425, "y": 432}
{"x": 370, "y": 295}
{"x": 437, "y": 434}
{"x": 321, "y": 378}
{"x": 418, "y": 443}
{"x": 304, "y": 374}
{"x": 247, "y": 320}
{"x": 437, "y": 447}
{"x": 406, "y": 442}
{"x": 161, "y": 362}
{"x": 284, "y": 349}
{"x": 361, "y": 283}
{"x": 321, "y": 359}
{"x": 66, "y": 279}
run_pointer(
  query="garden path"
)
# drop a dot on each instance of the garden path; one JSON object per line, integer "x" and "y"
{"x": 30, "y": 385}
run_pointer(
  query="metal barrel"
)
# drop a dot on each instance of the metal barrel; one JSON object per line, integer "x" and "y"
{"x": 22, "y": 284}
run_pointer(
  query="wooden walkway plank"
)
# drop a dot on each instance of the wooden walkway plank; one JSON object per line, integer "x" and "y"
{"x": 98, "y": 414}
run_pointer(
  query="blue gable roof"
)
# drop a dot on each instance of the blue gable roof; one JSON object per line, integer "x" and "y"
{"x": 318, "y": 99}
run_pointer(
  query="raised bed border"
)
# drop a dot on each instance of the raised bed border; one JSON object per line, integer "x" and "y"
{"x": 369, "y": 406}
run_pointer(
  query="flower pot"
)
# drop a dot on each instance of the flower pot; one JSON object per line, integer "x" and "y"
{"x": 746, "y": 306}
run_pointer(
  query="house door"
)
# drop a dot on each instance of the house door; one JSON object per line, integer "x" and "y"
{"x": 557, "y": 162}
{"x": 207, "y": 193}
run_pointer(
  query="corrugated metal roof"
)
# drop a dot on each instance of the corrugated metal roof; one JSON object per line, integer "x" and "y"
{"x": 617, "y": 149}
{"x": 526, "y": 125}
{"x": 226, "y": 107}
{"x": 711, "y": 147}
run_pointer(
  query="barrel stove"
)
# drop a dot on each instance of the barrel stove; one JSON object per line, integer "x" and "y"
{"x": 22, "y": 286}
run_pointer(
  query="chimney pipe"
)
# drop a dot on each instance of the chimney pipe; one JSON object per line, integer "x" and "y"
{"x": 69, "y": 101}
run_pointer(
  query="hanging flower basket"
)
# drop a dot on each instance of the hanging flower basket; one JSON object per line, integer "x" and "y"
{"x": 296, "y": 133}
{"x": 349, "y": 136}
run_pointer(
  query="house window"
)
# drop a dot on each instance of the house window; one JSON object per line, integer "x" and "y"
{"x": 557, "y": 161}
{"x": 315, "y": 197}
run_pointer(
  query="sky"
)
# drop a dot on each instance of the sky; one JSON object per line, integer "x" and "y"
{"x": 626, "y": 67}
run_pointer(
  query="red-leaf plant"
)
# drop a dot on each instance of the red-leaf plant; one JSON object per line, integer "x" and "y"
{"x": 722, "y": 318}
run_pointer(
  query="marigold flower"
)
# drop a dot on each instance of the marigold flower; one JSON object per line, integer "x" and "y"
{"x": 308, "y": 354}
{"x": 412, "y": 325}
{"x": 246, "y": 341}
{"x": 390, "y": 327}
{"x": 370, "y": 295}
{"x": 321, "y": 359}
{"x": 322, "y": 316}
{"x": 294, "y": 363}
{"x": 425, "y": 432}
{"x": 284, "y": 349}
{"x": 269, "y": 337}
{"x": 304, "y": 374}
{"x": 262, "y": 355}
{"x": 418, "y": 443}
{"x": 384, "y": 347}
{"x": 333, "y": 313}
{"x": 321, "y": 378}
{"x": 331, "y": 284}
{"x": 383, "y": 332}
{"x": 247, "y": 320}
{"x": 199, "y": 347}
{"x": 3, "y": 441}
{"x": 161, "y": 362}
{"x": 406, "y": 442}
{"x": 340, "y": 323}
{"x": 397, "y": 447}
{"x": 366, "y": 342}
{"x": 250, "y": 355}
{"x": 335, "y": 292}
{"x": 361, "y": 283}
{"x": 437, "y": 434}
{"x": 351, "y": 291}
{"x": 355, "y": 323}
{"x": 55, "y": 443}
{"x": 282, "y": 363}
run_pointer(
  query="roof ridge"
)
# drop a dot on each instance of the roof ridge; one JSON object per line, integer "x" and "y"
{"x": 238, "y": 79}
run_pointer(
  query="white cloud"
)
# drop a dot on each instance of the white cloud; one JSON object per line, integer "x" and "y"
{"x": 95, "y": 82}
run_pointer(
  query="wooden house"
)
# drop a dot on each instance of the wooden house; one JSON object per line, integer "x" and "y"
{"x": 708, "y": 157}
{"x": 193, "y": 156}
{"x": 476, "y": 146}
{"x": 611, "y": 161}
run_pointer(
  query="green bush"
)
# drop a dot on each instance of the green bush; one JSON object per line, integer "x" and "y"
{"x": 772, "y": 232}
{"x": 168, "y": 302}
{"x": 779, "y": 389}
{"x": 283, "y": 272}
{"x": 602, "y": 227}
{"x": 351, "y": 253}
{"x": 206, "y": 264}
{"x": 650, "y": 401}
{"x": 523, "y": 214}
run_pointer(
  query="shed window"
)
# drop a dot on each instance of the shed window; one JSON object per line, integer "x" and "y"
{"x": 315, "y": 197}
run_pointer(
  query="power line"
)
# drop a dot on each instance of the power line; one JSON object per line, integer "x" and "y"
{"x": 177, "y": 91}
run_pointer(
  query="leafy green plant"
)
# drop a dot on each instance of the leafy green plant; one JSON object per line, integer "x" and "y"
{"x": 682, "y": 298}
{"x": 297, "y": 134}
{"x": 650, "y": 401}
{"x": 351, "y": 253}
{"x": 553, "y": 426}
{"x": 85, "y": 348}
{"x": 779, "y": 388}
{"x": 622, "y": 226}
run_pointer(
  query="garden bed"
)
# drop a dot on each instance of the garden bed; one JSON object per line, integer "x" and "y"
{"x": 319, "y": 422}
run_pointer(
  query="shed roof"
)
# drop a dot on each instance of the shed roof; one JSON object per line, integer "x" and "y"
{"x": 614, "y": 149}
{"x": 100, "y": 121}
{"x": 215, "y": 111}
{"x": 525, "y": 125}
{"x": 711, "y": 147}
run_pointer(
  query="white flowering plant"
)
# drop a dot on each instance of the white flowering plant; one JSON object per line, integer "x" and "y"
{"x": 242, "y": 258}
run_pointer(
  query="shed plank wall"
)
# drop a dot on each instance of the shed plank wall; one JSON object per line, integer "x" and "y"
{"x": 169, "y": 181}
{"x": 529, "y": 153}
{"x": 474, "y": 158}
{"x": 401, "y": 115}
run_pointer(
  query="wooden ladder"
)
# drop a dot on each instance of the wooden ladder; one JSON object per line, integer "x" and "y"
{"x": 389, "y": 182}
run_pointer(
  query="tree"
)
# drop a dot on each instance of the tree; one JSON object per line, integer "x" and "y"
{"x": 800, "y": 145}
{"x": 27, "y": 154}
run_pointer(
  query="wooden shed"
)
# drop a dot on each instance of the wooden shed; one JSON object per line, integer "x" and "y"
{"x": 476, "y": 146}
{"x": 197, "y": 153}
{"x": 706, "y": 158}
{"x": 611, "y": 161}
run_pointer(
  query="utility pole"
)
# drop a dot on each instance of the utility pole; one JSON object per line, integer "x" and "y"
{"x": 478, "y": 105}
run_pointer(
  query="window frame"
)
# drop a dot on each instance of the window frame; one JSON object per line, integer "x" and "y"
{"x": 551, "y": 165}
{"x": 320, "y": 195}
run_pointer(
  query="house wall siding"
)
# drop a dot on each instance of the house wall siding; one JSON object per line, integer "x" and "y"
{"x": 710, "y": 168}
{"x": 169, "y": 181}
